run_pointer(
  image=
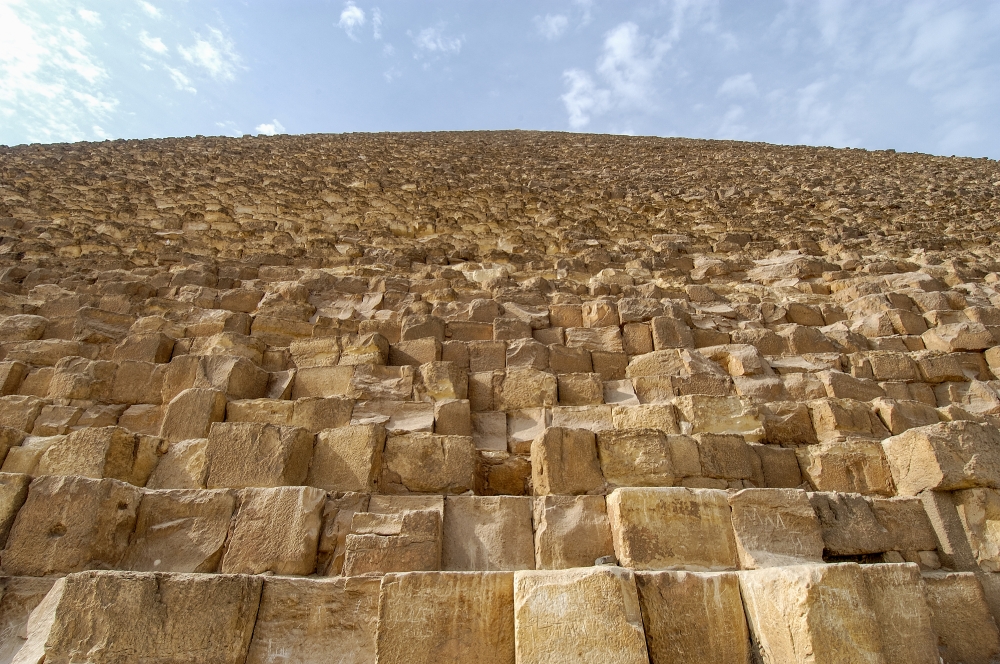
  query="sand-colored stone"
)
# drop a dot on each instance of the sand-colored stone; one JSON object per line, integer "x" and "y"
{"x": 249, "y": 454}
{"x": 960, "y": 617}
{"x": 775, "y": 527}
{"x": 672, "y": 528}
{"x": 428, "y": 463}
{"x": 578, "y": 615}
{"x": 565, "y": 461}
{"x": 571, "y": 531}
{"x": 944, "y": 457}
{"x": 487, "y": 533}
{"x": 348, "y": 458}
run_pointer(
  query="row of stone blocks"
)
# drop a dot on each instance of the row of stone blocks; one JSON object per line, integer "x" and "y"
{"x": 808, "y": 614}
{"x": 62, "y": 525}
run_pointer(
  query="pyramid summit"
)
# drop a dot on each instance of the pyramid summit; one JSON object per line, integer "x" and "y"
{"x": 498, "y": 397}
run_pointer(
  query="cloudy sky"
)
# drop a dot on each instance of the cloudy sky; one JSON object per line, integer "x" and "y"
{"x": 914, "y": 75}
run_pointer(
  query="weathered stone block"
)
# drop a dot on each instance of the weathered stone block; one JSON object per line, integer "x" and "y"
{"x": 428, "y": 463}
{"x": 960, "y": 617}
{"x": 853, "y": 466}
{"x": 571, "y": 531}
{"x": 487, "y": 533}
{"x": 249, "y": 454}
{"x": 775, "y": 527}
{"x": 564, "y": 461}
{"x": 635, "y": 458}
{"x": 191, "y": 413}
{"x": 944, "y": 457}
{"x": 348, "y": 458}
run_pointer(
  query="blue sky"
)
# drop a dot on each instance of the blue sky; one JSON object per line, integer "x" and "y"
{"x": 921, "y": 75}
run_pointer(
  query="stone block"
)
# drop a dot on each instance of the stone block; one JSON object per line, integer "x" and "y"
{"x": 571, "y": 531}
{"x": 138, "y": 382}
{"x": 672, "y": 528}
{"x": 318, "y": 413}
{"x": 80, "y": 378}
{"x": 19, "y": 596}
{"x": 275, "y": 530}
{"x": 420, "y": 327}
{"x": 835, "y": 419}
{"x": 945, "y": 457}
{"x": 725, "y": 415}
{"x": 398, "y": 417}
{"x": 953, "y": 337}
{"x": 322, "y": 382}
{"x": 348, "y": 458}
{"x": 595, "y": 418}
{"x": 578, "y": 615}
{"x": 692, "y": 617}
{"x": 503, "y": 474}
{"x": 184, "y": 466}
{"x": 414, "y": 353}
{"x": 580, "y": 389}
{"x": 636, "y": 457}
{"x": 487, "y": 356}
{"x": 452, "y": 417}
{"x": 432, "y": 617}
{"x": 399, "y": 536}
{"x": 775, "y": 527}
{"x": 13, "y": 493}
{"x": 646, "y": 416}
{"x": 527, "y": 388}
{"x": 489, "y": 430}
{"x": 850, "y": 526}
{"x": 144, "y": 617}
{"x": 565, "y": 462}
{"x": 315, "y": 352}
{"x": 899, "y": 416}
{"x": 840, "y": 385}
{"x": 604, "y": 339}
{"x": 11, "y": 376}
{"x": 669, "y": 332}
{"x": 96, "y": 453}
{"x": 370, "y": 349}
{"x": 566, "y": 359}
{"x": 441, "y": 380}
{"x": 250, "y": 454}
{"x": 311, "y": 620}
{"x": 179, "y": 531}
{"x": 428, "y": 463}
{"x": 191, "y": 414}
{"x": 338, "y": 513}
{"x": 904, "y": 619}
{"x": 70, "y": 524}
{"x": 523, "y": 426}
{"x": 378, "y": 383}
{"x": 779, "y": 465}
{"x": 153, "y": 347}
{"x": 979, "y": 511}
{"x": 966, "y": 632}
{"x": 487, "y": 533}
{"x": 527, "y": 354}
{"x": 852, "y": 466}
{"x": 728, "y": 457}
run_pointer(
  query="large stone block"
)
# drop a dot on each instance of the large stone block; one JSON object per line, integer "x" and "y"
{"x": 184, "y": 466}
{"x": 571, "y": 531}
{"x": 395, "y": 538}
{"x": 966, "y": 632}
{"x": 314, "y": 621}
{"x": 428, "y": 463}
{"x": 249, "y": 454}
{"x": 487, "y": 533}
{"x": 348, "y": 458}
{"x": 852, "y": 466}
{"x": 945, "y": 457}
{"x": 110, "y": 617}
{"x": 578, "y": 615}
{"x": 338, "y": 513}
{"x": 527, "y": 388}
{"x": 904, "y": 619}
{"x": 191, "y": 413}
{"x": 94, "y": 452}
{"x": 323, "y": 382}
{"x": 437, "y": 617}
{"x": 564, "y": 461}
{"x": 275, "y": 530}
{"x": 979, "y": 511}
{"x": 672, "y": 528}
{"x": 635, "y": 458}
{"x": 13, "y": 493}
{"x": 775, "y": 527}
{"x": 71, "y": 524}
{"x": 180, "y": 531}
{"x": 693, "y": 618}
{"x": 19, "y": 596}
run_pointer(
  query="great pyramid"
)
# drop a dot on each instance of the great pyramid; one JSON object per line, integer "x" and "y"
{"x": 497, "y": 397}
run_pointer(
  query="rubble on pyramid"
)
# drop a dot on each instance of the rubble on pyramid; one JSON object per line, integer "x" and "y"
{"x": 498, "y": 397}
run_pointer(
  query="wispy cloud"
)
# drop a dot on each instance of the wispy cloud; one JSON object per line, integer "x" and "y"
{"x": 433, "y": 40}
{"x": 377, "y": 23}
{"x": 216, "y": 54}
{"x": 741, "y": 85}
{"x": 583, "y": 98}
{"x": 270, "y": 128}
{"x": 551, "y": 26}
{"x": 181, "y": 81}
{"x": 51, "y": 83}
{"x": 154, "y": 44}
{"x": 352, "y": 18}
{"x": 150, "y": 9}
{"x": 88, "y": 16}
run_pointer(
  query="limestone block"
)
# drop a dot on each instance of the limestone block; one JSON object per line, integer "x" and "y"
{"x": 594, "y": 418}
{"x": 487, "y": 533}
{"x": 191, "y": 413}
{"x": 80, "y": 378}
{"x": 24, "y": 458}
{"x": 153, "y": 347}
{"x": 9, "y": 437}
{"x": 489, "y": 430}
{"x": 637, "y": 457}
{"x": 566, "y": 359}
{"x": 839, "y": 418}
{"x": 371, "y": 348}
{"x": 527, "y": 354}
{"x": 604, "y": 339}
{"x": 600, "y": 314}
{"x": 669, "y": 332}
{"x": 440, "y": 381}
{"x": 348, "y": 458}
{"x": 179, "y": 531}
{"x": 580, "y": 389}
{"x": 432, "y": 617}
{"x": 812, "y": 613}
{"x": 236, "y": 377}
{"x": 483, "y": 389}
{"x": 979, "y": 510}
{"x": 143, "y": 617}
{"x": 102, "y": 452}
{"x": 317, "y": 413}
{"x": 775, "y": 527}
{"x": 904, "y": 619}
{"x": 22, "y": 327}
{"x": 939, "y": 367}
{"x": 322, "y": 382}
{"x": 738, "y": 359}
{"x": 713, "y": 414}
{"x": 944, "y": 457}
{"x": 672, "y": 528}
{"x": 419, "y": 327}
{"x": 850, "y": 526}
{"x": 232, "y": 344}
{"x": 11, "y": 376}
{"x": 267, "y": 411}
{"x": 728, "y": 457}
{"x": 398, "y": 417}
{"x": 523, "y": 426}
{"x": 853, "y": 466}
{"x": 338, "y": 513}
{"x": 315, "y": 352}
{"x": 275, "y": 530}
{"x": 138, "y": 382}
{"x": 374, "y": 382}
{"x": 428, "y": 463}
{"x": 840, "y": 385}
{"x": 566, "y": 315}
{"x": 620, "y": 393}
{"x": 70, "y": 524}
{"x": 312, "y": 620}
{"x": 56, "y": 420}
{"x": 13, "y": 493}
{"x": 637, "y": 338}
{"x": 564, "y": 461}
{"x": 692, "y": 617}
{"x": 527, "y": 388}
{"x": 898, "y": 416}
{"x": 646, "y": 416}
{"x": 571, "y": 531}
{"x": 250, "y": 454}
{"x": 953, "y": 337}
{"x": 487, "y": 356}
{"x": 184, "y": 466}
{"x": 404, "y": 535}
{"x": 907, "y": 523}
{"x": 779, "y": 466}
{"x": 960, "y": 616}
{"x": 888, "y": 365}
{"x": 578, "y": 615}
{"x": 503, "y": 474}
{"x": 18, "y": 598}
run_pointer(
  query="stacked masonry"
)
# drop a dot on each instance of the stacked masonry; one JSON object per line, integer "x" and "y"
{"x": 319, "y": 417}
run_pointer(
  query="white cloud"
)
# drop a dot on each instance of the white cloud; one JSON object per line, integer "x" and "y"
{"x": 433, "y": 40}
{"x": 230, "y": 128}
{"x": 51, "y": 84}
{"x": 585, "y": 8}
{"x": 216, "y": 55}
{"x": 351, "y": 18}
{"x": 733, "y": 125}
{"x": 150, "y": 9}
{"x": 154, "y": 44}
{"x": 629, "y": 62}
{"x": 741, "y": 85}
{"x": 583, "y": 98}
{"x": 88, "y": 16}
{"x": 551, "y": 26}
{"x": 181, "y": 81}
{"x": 270, "y": 128}
{"x": 377, "y": 23}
